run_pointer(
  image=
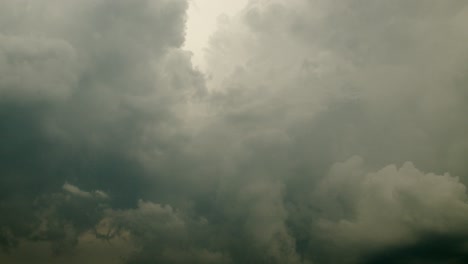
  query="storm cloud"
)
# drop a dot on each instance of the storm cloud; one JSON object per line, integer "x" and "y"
{"x": 319, "y": 132}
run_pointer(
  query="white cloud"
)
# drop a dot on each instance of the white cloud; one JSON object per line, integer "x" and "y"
{"x": 84, "y": 194}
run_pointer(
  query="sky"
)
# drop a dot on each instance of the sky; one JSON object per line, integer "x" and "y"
{"x": 224, "y": 132}
{"x": 202, "y": 21}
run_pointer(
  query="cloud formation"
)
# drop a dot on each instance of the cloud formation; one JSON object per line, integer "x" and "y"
{"x": 390, "y": 207}
{"x": 321, "y": 132}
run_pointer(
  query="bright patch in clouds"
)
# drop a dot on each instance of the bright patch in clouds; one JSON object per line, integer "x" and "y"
{"x": 202, "y": 17}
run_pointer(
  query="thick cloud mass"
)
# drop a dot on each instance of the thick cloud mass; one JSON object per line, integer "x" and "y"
{"x": 322, "y": 132}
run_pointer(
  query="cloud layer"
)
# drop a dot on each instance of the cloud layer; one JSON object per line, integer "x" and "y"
{"x": 321, "y": 132}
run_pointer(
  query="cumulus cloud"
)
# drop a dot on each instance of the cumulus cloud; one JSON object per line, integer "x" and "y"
{"x": 153, "y": 224}
{"x": 89, "y": 90}
{"x": 116, "y": 150}
{"x": 333, "y": 80}
{"x": 390, "y": 207}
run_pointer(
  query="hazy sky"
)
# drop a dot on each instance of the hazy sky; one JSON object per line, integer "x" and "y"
{"x": 284, "y": 131}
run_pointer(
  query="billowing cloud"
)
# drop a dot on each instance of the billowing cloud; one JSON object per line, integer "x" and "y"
{"x": 300, "y": 85}
{"x": 88, "y": 89}
{"x": 320, "y": 132}
{"x": 388, "y": 208}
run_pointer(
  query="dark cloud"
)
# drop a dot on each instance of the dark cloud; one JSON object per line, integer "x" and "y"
{"x": 431, "y": 248}
{"x": 87, "y": 87}
{"x": 322, "y": 132}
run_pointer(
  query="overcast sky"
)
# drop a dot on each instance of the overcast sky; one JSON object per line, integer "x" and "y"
{"x": 225, "y": 132}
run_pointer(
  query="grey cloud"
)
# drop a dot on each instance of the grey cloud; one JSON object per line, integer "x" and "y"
{"x": 36, "y": 68}
{"x": 88, "y": 89}
{"x": 432, "y": 248}
{"x": 166, "y": 235}
{"x": 113, "y": 143}
{"x": 346, "y": 86}
{"x": 377, "y": 79}
{"x": 388, "y": 208}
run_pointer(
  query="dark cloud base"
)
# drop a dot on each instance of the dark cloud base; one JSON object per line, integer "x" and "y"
{"x": 430, "y": 248}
